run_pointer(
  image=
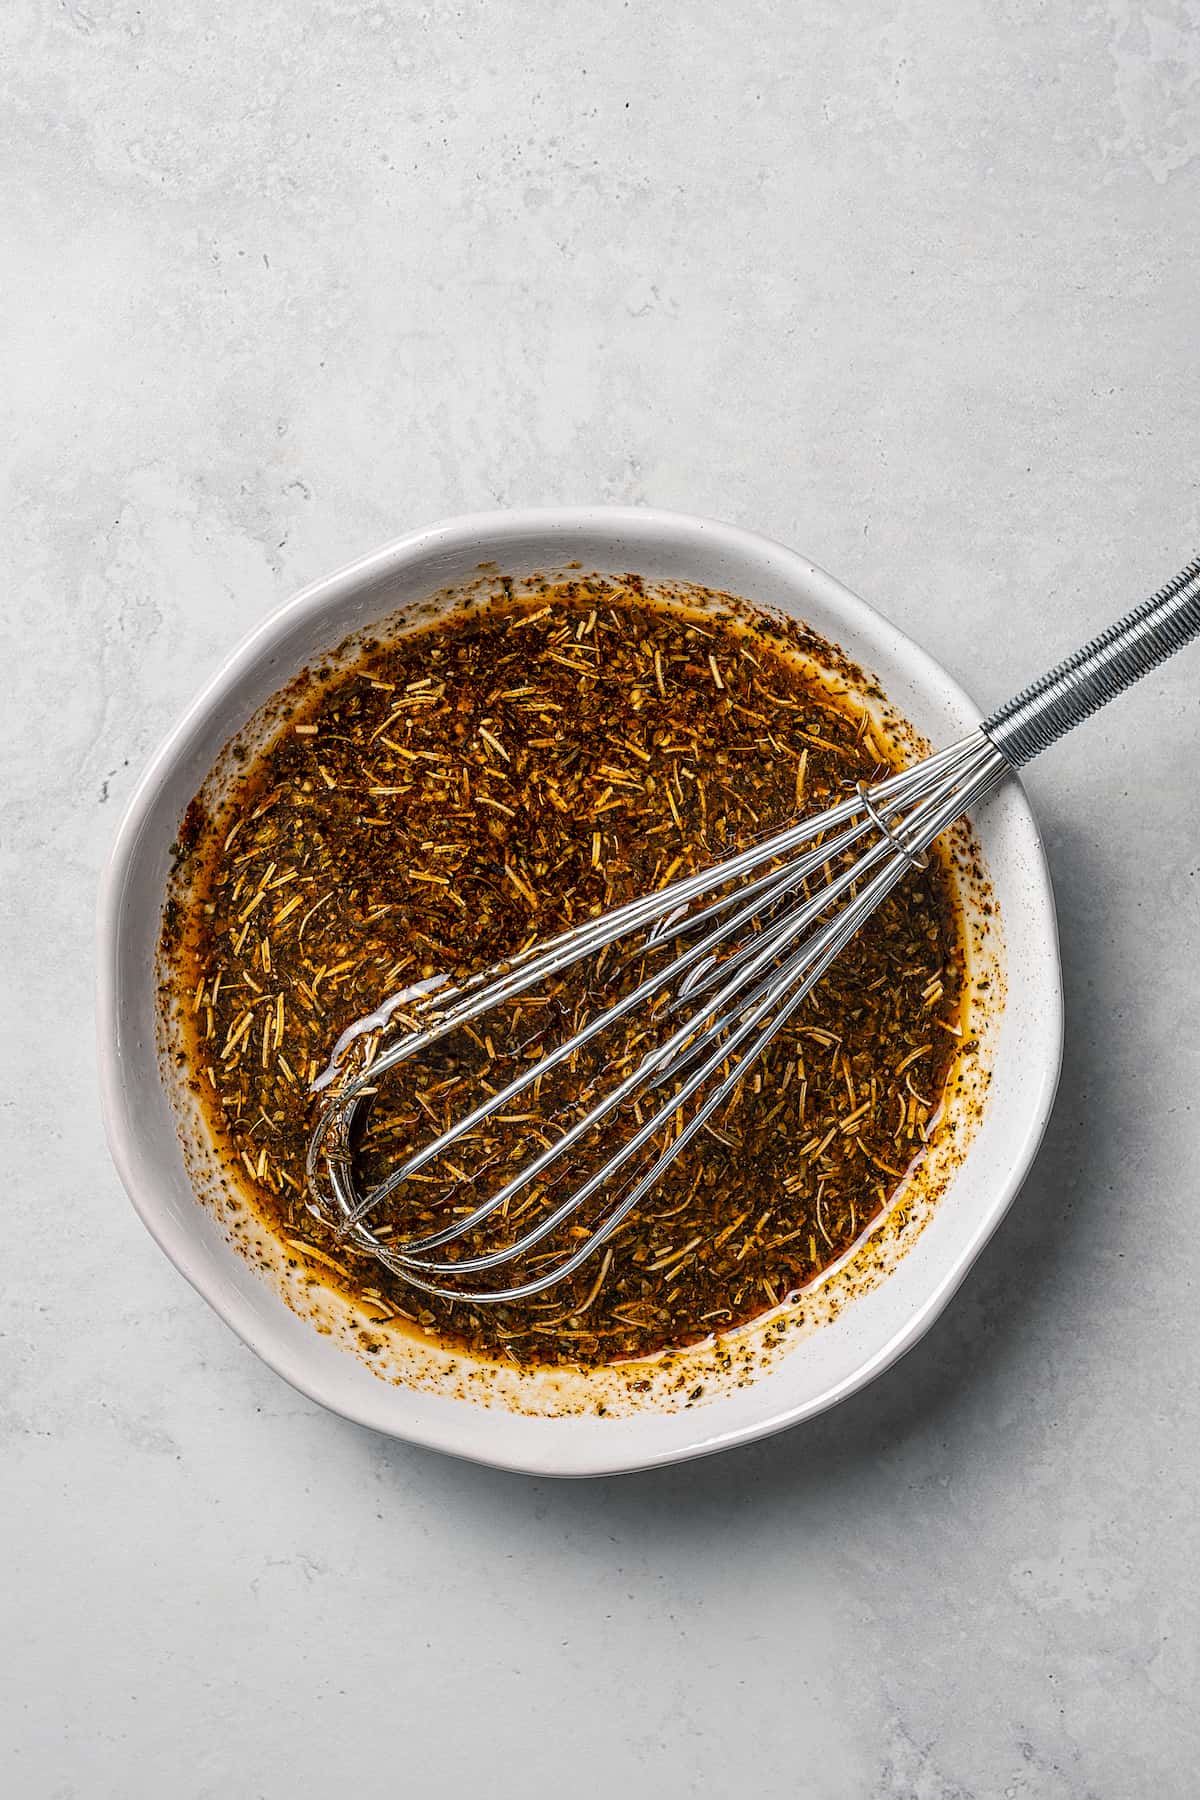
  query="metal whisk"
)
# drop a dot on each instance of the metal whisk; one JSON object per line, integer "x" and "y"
{"x": 721, "y": 961}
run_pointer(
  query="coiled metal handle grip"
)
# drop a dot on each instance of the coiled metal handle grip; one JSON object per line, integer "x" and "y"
{"x": 1096, "y": 674}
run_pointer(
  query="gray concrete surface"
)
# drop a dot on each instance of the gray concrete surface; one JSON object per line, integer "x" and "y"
{"x": 911, "y": 285}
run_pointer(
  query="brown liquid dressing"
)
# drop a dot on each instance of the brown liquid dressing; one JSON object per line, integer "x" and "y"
{"x": 498, "y": 776}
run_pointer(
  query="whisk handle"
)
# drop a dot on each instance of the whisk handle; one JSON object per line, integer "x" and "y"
{"x": 1096, "y": 674}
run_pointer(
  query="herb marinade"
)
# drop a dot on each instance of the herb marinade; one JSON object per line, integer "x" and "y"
{"x": 497, "y": 776}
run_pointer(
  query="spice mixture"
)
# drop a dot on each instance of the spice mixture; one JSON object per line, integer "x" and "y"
{"x": 464, "y": 789}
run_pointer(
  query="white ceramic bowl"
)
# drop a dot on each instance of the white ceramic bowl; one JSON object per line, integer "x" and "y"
{"x": 823, "y": 1367}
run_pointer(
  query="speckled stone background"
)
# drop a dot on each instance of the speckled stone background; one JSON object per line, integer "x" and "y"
{"x": 911, "y": 284}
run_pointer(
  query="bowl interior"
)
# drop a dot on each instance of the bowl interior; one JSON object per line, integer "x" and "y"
{"x": 823, "y": 1367}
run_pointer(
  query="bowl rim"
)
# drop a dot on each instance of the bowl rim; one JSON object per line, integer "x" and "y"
{"x": 119, "y": 1117}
